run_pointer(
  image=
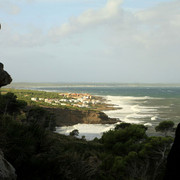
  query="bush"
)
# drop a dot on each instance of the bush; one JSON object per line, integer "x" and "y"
{"x": 10, "y": 105}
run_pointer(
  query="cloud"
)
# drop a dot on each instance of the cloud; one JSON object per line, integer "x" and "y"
{"x": 88, "y": 19}
{"x": 113, "y": 44}
{"x": 161, "y": 25}
{"x": 10, "y": 38}
{"x": 150, "y": 29}
{"x": 9, "y": 7}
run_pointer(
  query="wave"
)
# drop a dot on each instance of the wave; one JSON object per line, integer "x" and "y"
{"x": 130, "y": 97}
{"x": 90, "y": 131}
{"x": 148, "y": 124}
{"x": 133, "y": 109}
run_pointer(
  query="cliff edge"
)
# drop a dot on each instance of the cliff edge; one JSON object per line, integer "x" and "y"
{"x": 65, "y": 117}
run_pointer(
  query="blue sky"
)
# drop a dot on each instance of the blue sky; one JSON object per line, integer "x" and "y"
{"x": 130, "y": 41}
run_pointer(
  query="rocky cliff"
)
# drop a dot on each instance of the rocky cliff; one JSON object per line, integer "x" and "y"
{"x": 5, "y": 78}
{"x": 73, "y": 116}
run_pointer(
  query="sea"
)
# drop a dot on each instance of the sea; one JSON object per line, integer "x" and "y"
{"x": 147, "y": 105}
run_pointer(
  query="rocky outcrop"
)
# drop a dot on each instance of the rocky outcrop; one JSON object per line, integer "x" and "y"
{"x": 5, "y": 78}
{"x": 7, "y": 171}
{"x": 73, "y": 116}
{"x": 173, "y": 160}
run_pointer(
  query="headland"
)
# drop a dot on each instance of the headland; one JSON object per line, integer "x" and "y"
{"x": 67, "y": 108}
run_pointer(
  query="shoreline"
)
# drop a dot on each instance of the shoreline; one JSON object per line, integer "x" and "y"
{"x": 145, "y": 110}
{"x": 68, "y": 114}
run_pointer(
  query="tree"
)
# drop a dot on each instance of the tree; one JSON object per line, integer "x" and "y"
{"x": 154, "y": 151}
{"x": 75, "y": 132}
{"x": 42, "y": 117}
{"x": 122, "y": 141}
{"x": 10, "y": 105}
{"x": 165, "y": 127}
{"x": 122, "y": 125}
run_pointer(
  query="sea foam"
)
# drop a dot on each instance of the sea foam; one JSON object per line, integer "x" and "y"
{"x": 90, "y": 131}
{"x": 132, "y": 110}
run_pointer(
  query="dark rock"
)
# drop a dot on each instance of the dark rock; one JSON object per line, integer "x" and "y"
{"x": 5, "y": 78}
{"x": 65, "y": 117}
{"x": 173, "y": 160}
{"x": 7, "y": 171}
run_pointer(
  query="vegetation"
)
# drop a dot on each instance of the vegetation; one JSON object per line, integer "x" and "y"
{"x": 75, "y": 132}
{"x": 37, "y": 153}
{"x": 26, "y": 95}
{"x": 165, "y": 127}
{"x": 9, "y": 105}
{"x": 133, "y": 154}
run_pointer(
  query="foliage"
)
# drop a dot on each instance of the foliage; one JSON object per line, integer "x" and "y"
{"x": 165, "y": 127}
{"x": 121, "y": 141}
{"x": 134, "y": 155}
{"x": 122, "y": 125}
{"x": 74, "y": 132}
{"x": 10, "y": 105}
{"x": 26, "y": 95}
{"x": 125, "y": 153}
{"x": 42, "y": 117}
{"x": 40, "y": 154}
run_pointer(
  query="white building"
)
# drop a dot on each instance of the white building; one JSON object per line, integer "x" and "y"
{"x": 63, "y": 100}
{"x": 41, "y": 99}
{"x": 63, "y": 104}
{"x": 34, "y": 99}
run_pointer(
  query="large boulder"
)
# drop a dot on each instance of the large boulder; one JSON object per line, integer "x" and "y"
{"x": 7, "y": 171}
{"x": 5, "y": 78}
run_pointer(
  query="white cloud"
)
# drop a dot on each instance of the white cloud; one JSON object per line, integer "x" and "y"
{"x": 10, "y": 38}
{"x": 89, "y": 18}
{"x": 9, "y": 7}
{"x": 153, "y": 30}
{"x": 161, "y": 25}
{"x": 112, "y": 43}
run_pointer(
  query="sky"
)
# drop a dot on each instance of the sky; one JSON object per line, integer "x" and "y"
{"x": 107, "y": 41}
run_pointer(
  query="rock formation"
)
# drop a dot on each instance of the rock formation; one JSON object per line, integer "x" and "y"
{"x": 5, "y": 78}
{"x": 65, "y": 117}
{"x": 7, "y": 171}
{"x": 173, "y": 160}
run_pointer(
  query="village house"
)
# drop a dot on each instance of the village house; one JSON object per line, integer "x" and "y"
{"x": 63, "y": 100}
{"x": 63, "y": 104}
{"x": 41, "y": 99}
{"x": 34, "y": 99}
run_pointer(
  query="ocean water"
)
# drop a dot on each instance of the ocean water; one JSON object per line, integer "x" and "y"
{"x": 164, "y": 92}
{"x": 139, "y": 105}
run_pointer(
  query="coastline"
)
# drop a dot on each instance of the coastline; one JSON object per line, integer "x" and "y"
{"x": 146, "y": 110}
{"x": 145, "y": 105}
{"x": 68, "y": 114}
